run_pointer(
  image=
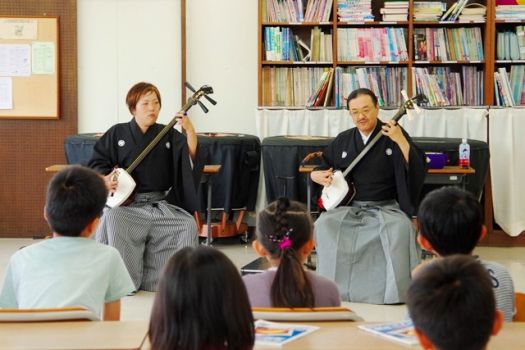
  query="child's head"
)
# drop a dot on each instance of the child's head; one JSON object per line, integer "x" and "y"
{"x": 201, "y": 304}
{"x": 285, "y": 233}
{"x": 452, "y": 305}
{"x": 75, "y": 199}
{"x": 450, "y": 221}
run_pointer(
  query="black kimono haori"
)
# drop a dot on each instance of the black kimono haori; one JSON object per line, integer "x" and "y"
{"x": 159, "y": 221}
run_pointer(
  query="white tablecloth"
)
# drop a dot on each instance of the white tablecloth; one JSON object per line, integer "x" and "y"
{"x": 462, "y": 122}
{"x": 507, "y": 167}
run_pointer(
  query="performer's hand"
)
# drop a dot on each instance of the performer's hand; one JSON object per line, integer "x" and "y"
{"x": 186, "y": 124}
{"x": 191, "y": 136}
{"x": 322, "y": 177}
{"x": 111, "y": 181}
{"x": 392, "y": 130}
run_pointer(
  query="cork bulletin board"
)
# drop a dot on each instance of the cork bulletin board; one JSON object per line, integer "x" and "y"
{"x": 29, "y": 68}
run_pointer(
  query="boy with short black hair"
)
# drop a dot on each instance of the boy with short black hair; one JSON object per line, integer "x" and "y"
{"x": 452, "y": 305}
{"x": 70, "y": 269}
{"x": 450, "y": 221}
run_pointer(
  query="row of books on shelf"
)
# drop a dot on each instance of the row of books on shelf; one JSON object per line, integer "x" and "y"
{"x": 322, "y": 94}
{"x": 394, "y": 11}
{"x": 318, "y": 87}
{"x": 510, "y": 12}
{"x": 510, "y": 92}
{"x": 386, "y": 44}
{"x": 297, "y": 11}
{"x": 291, "y": 86}
{"x": 510, "y": 44}
{"x": 463, "y": 11}
{"x": 428, "y": 10}
{"x": 302, "y": 87}
{"x": 444, "y": 87}
{"x": 434, "y": 11}
{"x": 448, "y": 44}
{"x": 386, "y": 82}
{"x": 372, "y": 44}
{"x": 471, "y": 12}
{"x": 280, "y": 44}
{"x": 355, "y": 10}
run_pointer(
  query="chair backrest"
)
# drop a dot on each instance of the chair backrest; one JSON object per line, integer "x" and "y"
{"x": 305, "y": 314}
{"x": 520, "y": 308}
{"x": 311, "y": 156}
{"x": 47, "y": 315}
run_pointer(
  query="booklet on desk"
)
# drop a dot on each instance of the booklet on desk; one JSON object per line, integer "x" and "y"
{"x": 400, "y": 331}
{"x": 271, "y": 333}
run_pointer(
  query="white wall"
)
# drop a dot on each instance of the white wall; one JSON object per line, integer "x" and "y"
{"x": 222, "y": 52}
{"x": 121, "y": 42}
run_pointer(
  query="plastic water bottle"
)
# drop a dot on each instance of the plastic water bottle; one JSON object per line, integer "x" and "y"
{"x": 464, "y": 154}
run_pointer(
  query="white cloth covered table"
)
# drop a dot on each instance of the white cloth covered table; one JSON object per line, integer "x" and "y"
{"x": 461, "y": 122}
{"x": 507, "y": 168}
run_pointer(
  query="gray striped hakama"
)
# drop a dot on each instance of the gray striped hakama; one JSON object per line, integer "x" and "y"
{"x": 369, "y": 249}
{"x": 147, "y": 233}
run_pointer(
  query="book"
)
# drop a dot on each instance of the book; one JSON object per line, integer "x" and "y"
{"x": 328, "y": 93}
{"x": 420, "y": 44}
{"x": 402, "y": 332}
{"x": 278, "y": 334}
{"x": 449, "y": 12}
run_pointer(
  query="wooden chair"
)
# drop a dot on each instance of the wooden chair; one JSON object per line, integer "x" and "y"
{"x": 305, "y": 314}
{"x": 305, "y": 168}
{"x": 47, "y": 315}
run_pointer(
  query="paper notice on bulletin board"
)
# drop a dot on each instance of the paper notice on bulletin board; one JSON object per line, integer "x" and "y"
{"x": 43, "y": 58}
{"x": 22, "y": 29}
{"x": 15, "y": 60}
{"x": 6, "y": 93}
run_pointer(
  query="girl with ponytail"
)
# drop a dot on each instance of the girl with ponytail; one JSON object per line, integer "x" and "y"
{"x": 284, "y": 235}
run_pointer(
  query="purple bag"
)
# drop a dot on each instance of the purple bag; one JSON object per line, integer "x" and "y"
{"x": 436, "y": 160}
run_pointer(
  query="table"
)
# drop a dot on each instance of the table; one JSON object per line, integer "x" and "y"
{"x": 346, "y": 335}
{"x": 237, "y": 182}
{"x": 283, "y": 175}
{"x": 112, "y": 335}
{"x": 116, "y": 335}
{"x": 449, "y": 175}
{"x": 479, "y": 160}
{"x": 281, "y": 158}
{"x": 238, "y": 179}
{"x": 79, "y": 148}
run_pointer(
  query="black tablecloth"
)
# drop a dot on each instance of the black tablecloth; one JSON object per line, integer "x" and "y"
{"x": 235, "y": 186}
{"x": 79, "y": 148}
{"x": 479, "y": 159}
{"x": 282, "y": 156}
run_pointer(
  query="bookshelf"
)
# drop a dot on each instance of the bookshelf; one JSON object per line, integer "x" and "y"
{"x": 472, "y": 63}
{"x": 509, "y": 55}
